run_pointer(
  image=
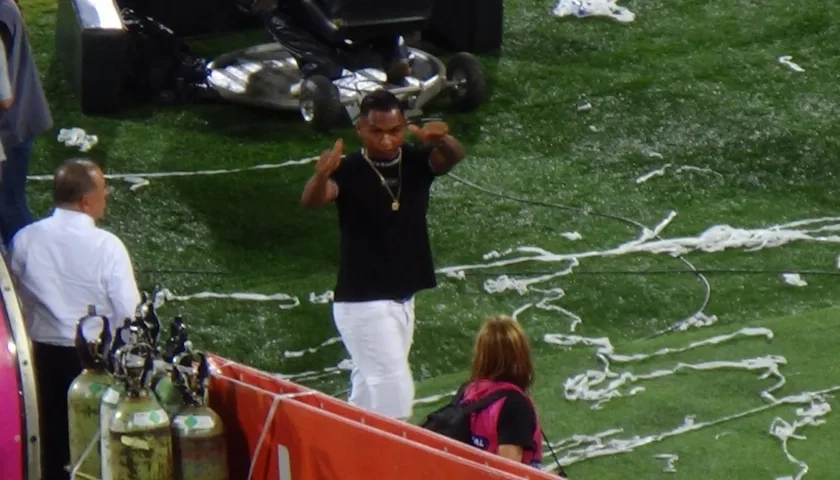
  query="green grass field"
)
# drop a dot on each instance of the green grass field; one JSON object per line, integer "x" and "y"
{"x": 689, "y": 83}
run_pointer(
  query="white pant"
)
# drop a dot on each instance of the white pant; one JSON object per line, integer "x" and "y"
{"x": 378, "y": 336}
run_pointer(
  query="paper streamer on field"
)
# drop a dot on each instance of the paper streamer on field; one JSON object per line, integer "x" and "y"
{"x": 581, "y": 447}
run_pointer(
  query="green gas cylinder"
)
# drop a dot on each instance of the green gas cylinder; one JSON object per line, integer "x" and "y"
{"x": 108, "y": 407}
{"x": 85, "y": 394}
{"x": 168, "y": 396}
{"x": 128, "y": 337}
{"x": 140, "y": 437}
{"x": 83, "y": 406}
{"x": 200, "y": 445}
{"x": 140, "y": 440}
{"x": 176, "y": 346}
{"x": 124, "y": 336}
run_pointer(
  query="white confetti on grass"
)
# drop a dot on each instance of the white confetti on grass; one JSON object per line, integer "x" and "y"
{"x": 581, "y": 447}
{"x": 602, "y": 386}
{"x": 76, "y": 137}
{"x": 300, "y": 353}
{"x": 787, "y": 60}
{"x": 682, "y": 168}
{"x": 812, "y": 416}
{"x": 593, "y": 8}
{"x": 670, "y": 460}
{"x": 794, "y": 279}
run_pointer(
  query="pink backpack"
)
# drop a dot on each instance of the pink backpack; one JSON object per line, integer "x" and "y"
{"x": 483, "y": 423}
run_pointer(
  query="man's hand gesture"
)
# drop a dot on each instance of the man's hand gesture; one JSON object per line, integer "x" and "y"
{"x": 432, "y": 132}
{"x": 330, "y": 160}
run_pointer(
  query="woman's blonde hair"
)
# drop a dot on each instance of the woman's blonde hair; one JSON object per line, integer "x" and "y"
{"x": 503, "y": 353}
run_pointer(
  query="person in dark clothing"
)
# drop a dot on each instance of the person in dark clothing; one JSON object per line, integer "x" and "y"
{"x": 290, "y": 25}
{"x": 382, "y": 197}
{"x": 24, "y": 114}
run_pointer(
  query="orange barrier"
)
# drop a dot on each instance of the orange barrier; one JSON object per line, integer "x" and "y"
{"x": 291, "y": 432}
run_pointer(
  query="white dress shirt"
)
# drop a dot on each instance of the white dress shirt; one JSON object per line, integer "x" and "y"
{"x": 62, "y": 264}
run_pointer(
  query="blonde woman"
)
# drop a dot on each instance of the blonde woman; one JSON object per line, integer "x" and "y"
{"x": 502, "y": 362}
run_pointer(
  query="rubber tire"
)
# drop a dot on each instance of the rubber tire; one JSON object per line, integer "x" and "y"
{"x": 474, "y": 88}
{"x": 326, "y": 103}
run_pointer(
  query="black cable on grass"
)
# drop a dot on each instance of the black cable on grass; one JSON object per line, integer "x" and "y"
{"x": 699, "y": 271}
{"x": 586, "y": 211}
{"x": 183, "y": 271}
{"x": 484, "y": 273}
{"x": 692, "y": 270}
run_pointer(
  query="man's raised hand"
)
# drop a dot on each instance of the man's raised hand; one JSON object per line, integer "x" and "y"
{"x": 432, "y": 132}
{"x": 330, "y": 160}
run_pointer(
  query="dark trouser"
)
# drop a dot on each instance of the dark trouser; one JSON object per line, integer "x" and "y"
{"x": 389, "y": 49}
{"x": 14, "y": 209}
{"x": 55, "y": 369}
{"x": 314, "y": 56}
{"x": 317, "y": 57}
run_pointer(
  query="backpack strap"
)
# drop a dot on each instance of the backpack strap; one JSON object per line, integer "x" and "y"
{"x": 482, "y": 403}
{"x": 459, "y": 395}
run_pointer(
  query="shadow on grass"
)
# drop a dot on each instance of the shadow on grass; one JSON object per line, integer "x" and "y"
{"x": 258, "y": 224}
{"x": 241, "y": 122}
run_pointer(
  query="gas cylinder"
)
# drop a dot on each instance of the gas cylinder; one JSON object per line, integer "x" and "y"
{"x": 179, "y": 341}
{"x": 148, "y": 321}
{"x": 200, "y": 446}
{"x": 108, "y": 407}
{"x": 125, "y": 336}
{"x": 140, "y": 437}
{"x": 167, "y": 394}
{"x": 147, "y": 315}
{"x": 85, "y": 394}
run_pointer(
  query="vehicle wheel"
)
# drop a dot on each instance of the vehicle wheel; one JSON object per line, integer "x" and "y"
{"x": 469, "y": 89}
{"x": 320, "y": 104}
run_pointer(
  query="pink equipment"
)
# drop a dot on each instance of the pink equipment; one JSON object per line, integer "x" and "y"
{"x": 19, "y": 441}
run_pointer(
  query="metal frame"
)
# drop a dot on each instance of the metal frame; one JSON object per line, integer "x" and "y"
{"x": 418, "y": 94}
{"x": 425, "y": 90}
{"x": 29, "y": 392}
{"x": 280, "y": 102}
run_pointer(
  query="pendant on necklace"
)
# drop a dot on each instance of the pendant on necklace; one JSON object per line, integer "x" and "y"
{"x": 395, "y": 206}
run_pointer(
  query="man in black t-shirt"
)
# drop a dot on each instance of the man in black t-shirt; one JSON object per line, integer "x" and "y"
{"x": 382, "y": 196}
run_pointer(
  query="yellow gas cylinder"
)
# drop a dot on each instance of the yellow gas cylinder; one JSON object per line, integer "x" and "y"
{"x": 85, "y": 395}
{"x": 139, "y": 438}
{"x": 200, "y": 445}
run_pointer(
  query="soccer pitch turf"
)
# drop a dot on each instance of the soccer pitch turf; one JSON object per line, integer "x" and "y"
{"x": 751, "y": 147}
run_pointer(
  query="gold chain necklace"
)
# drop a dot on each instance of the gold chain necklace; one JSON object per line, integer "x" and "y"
{"x": 395, "y": 205}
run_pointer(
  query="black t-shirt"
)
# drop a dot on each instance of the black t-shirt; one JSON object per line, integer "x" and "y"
{"x": 517, "y": 422}
{"x": 385, "y": 254}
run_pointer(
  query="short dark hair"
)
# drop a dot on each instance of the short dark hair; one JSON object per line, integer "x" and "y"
{"x": 380, "y": 101}
{"x": 73, "y": 180}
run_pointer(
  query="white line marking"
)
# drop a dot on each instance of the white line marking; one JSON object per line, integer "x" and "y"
{"x": 137, "y": 178}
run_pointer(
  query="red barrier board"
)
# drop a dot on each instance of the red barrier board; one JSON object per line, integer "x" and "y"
{"x": 282, "y": 431}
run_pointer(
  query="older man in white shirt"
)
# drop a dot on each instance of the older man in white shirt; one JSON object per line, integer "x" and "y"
{"x": 62, "y": 264}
